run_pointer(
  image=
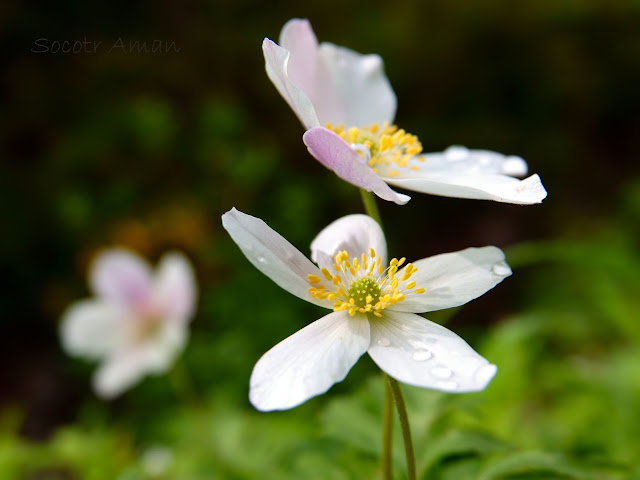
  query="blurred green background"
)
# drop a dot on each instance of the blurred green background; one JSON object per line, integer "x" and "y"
{"x": 147, "y": 150}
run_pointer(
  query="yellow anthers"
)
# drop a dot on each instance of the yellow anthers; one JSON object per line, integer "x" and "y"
{"x": 408, "y": 271}
{"x": 386, "y": 142}
{"x": 360, "y": 283}
{"x": 388, "y": 146}
{"x": 353, "y": 133}
{"x": 326, "y": 274}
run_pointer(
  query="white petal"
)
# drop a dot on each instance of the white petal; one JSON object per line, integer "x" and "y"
{"x": 476, "y": 174}
{"x": 462, "y": 160}
{"x": 298, "y": 38}
{"x": 126, "y": 368}
{"x": 121, "y": 277}
{"x": 270, "y": 253}
{"x": 352, "y": 88}
{"x": 309, "y": 362}
{"x": 94, "y": 329}
{"x": 175, "y": 287}
{"x": 498, "y": 188}
{"x": 353, "y": 233}
{"x": 276, "y": 60}
{"x": 118, "y": 374}
{"x": 453, "y": 279}
{"x": 419, "y": 352}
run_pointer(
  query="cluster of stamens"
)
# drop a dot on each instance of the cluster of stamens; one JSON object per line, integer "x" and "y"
{"x": 362, "y": 284}
{"x": 388, "y": 147}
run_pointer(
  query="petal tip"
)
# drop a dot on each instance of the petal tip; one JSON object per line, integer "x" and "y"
{"x": 532, "y": 189}
{"x": 484, "y": 375}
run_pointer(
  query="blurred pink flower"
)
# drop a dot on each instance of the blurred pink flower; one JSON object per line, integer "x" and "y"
{"x": 347, "y": 105}
{"x": 374, "y": 307}
{"x": 137, "y": 323}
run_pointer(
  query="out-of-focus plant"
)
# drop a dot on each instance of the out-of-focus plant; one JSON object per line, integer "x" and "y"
{"x": 138, "y": 321}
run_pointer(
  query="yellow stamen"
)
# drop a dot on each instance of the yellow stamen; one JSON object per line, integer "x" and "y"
{"x": 362, "y": 286}
{"x": 388, "y": 146}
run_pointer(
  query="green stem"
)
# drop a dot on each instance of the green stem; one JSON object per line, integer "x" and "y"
{"x": 392, "y": 389}
{"x": 370, "y": 205}
{"x": 387, "y": 431}
{"x": 404, "y": 425}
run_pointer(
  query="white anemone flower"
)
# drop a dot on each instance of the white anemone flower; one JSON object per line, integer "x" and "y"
{"x": 374, "y": 303}
{"x": 347, "y": 105}
{"x": 137, "y": 323}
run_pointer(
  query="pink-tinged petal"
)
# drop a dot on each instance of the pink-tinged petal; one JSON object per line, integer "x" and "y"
{"x": 352, "y": 88}
{"x": 94, "y": 329}
{"x": 125, "y": 368}
{"x": 298, "y": 38}
{"x": 335, "y": 154}
{"x": 419, "y": 352}
{"x": 309, "y": 362}
{"x": 474, "y": 174}
{"x": 121, "y": 277}
{"x": 354, "y": 233}
{"x": 453, "y": 279}
{"x": 175, "y": 288}
{"x": 276, "y": 61}
{"x": 272, "y": 254}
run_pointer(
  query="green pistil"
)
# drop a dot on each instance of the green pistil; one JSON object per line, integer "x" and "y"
{"x": 364, "y": 137}
{"x": 363, "y": 287}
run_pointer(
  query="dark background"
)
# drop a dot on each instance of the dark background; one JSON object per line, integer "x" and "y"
{"x": 148, "y": 149}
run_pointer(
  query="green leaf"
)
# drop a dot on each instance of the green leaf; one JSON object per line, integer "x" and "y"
{"x": 459, "y": 444}
{"x": 530, "y": 465}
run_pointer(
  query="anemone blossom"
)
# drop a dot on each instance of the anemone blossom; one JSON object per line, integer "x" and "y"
{"x": 374, "y": 305}
{"x": 136, "y": 323}
{"x": 347, "y": 105}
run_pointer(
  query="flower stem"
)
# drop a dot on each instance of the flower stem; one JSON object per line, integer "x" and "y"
{"x": 404, "y": 425}
{"x": 370, "y": 205}
{"x": 387, "y": 431}
{"x": 392, "y": 388}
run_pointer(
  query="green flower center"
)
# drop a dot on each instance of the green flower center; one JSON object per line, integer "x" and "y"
{"x": 362, "y": 288}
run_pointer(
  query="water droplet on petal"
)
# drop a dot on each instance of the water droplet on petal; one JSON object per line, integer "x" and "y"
{"x": 363, "y": 152}
{"x": 447, "y": 385}
{"x": 441, "y": 371}
{"x": 261, "y": 259}
{"x": 383, "y": 342}
{"x": 456, "y": 153}
{"x": 484, "y": 159}
{"x": 501, "y": 269}
{"x": 485, "y": 373}
{"x": 421, "y": 355}
{"x": 514, "y": 166}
